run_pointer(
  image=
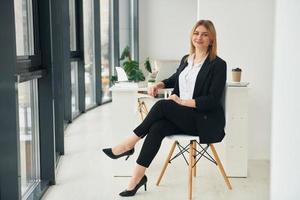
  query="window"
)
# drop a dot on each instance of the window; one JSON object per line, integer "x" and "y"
{"x": 75, "y": 57}
{"x": 73, "y": 25}
{"x": 28, "y": 60}
{"x": 27, "y": 40}
{"x": 28, "y": 135}
{"x": 105, "y": 48}
{"x": 124, "y": 24}
{"x": 74, "y": 89}
{"x": 89, "y": 53}
{"x": 24, "y": 27}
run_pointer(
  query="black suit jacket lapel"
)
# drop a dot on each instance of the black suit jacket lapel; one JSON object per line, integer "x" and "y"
{"x": 183, "y": 66}
{"x": 202, "y": 76}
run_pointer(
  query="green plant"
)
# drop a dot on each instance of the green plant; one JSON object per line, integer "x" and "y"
{"x": 147, "y": 65}
{"x": 131, "y": 67}
{"x": 113, "y": 79}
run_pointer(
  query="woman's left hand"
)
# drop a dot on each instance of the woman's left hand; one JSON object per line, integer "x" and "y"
{"x": 175, "y": 98}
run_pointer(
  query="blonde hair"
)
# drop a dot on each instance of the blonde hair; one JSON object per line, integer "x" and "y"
{"x": 212, "y": 48}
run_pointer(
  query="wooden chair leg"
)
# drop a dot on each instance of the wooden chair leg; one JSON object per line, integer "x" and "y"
{"x": 142, "y": 116}
{"x": 194, "y": 157}
{"x": 220, "y": 166}
{"x": 145, "y": 107}
{"x": 140, "y": 109}
{"x": 190, "y": 185}
{"x": 166, "y": 163}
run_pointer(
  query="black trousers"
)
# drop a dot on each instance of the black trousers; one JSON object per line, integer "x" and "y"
{"x": 165, "y": 118}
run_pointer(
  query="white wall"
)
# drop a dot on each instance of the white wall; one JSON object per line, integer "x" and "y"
{"x": 285, "y": 160}
{"x": 164, "y": 28}
{"x": 245, "y": 40}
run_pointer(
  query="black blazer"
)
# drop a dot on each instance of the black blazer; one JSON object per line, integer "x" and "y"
{"x": 208, "y": 91}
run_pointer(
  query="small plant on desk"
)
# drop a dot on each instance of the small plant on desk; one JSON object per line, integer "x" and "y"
{"x": 131, "y": 67}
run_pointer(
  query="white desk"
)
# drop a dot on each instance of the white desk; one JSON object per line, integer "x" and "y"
{"x": 232, "y": 150}
{"x": 125, "y": 104}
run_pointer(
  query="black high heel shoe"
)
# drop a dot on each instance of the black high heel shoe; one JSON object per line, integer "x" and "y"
{"x": 110, "y": 154}
{"x": 129, "y": 193}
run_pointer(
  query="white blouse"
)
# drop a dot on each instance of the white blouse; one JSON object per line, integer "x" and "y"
{"x": 187, "y": 78}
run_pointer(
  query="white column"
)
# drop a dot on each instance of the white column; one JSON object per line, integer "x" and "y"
{"x": 285, "y": 142}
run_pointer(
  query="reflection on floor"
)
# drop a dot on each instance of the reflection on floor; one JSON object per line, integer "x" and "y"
{"x": 85, "y": 173}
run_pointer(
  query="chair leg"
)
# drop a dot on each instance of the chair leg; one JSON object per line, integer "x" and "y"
{"x": 145, "y": 107}
{"x": 142, "y": 116}
{"x": 220, "y": 166}
{"x": 190, "y": 185}
{"x": 194, "y": 157}
{"x": 140, "y": 110}
{"x": 166, "y": 163}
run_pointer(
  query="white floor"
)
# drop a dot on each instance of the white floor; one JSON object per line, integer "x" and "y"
{"x": 85, "y": 173}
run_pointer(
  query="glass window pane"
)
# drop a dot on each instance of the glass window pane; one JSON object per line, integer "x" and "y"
{"x": 124, "y": 24}
{"x": 74, "y": 89}
{"x": 90, "y": 92}
{"x": 72, "y": 9}
{"x": 29, "y": 140}
{"x": 24, "y": 27}
{"x": 89, "y": 52}
{"x": 105, "y": 47}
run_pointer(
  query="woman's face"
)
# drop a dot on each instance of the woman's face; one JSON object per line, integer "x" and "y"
{"x": 200, "y": 38}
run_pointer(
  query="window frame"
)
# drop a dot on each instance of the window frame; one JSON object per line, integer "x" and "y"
{"x": 30, "y": 67}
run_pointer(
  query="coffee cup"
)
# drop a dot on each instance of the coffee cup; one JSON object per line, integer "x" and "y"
{"x": 236, "y": 75}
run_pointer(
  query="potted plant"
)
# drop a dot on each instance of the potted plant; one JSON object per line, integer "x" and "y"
{"x": 113, "y": 79}
{"x": 151, "y": 77}
{"x": 131, "y": 67}
{"x": 147, "y": 65}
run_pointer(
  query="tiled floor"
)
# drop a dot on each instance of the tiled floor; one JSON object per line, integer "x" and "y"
{"x": 85, "y": 173}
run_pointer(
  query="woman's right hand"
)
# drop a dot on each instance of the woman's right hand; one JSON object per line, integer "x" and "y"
{"x": 153, "y": 89}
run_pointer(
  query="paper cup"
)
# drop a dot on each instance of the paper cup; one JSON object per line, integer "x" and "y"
{"x": 236, "y": 76}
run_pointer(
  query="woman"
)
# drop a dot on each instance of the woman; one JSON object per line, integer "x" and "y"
{"x": 194, "y": 108}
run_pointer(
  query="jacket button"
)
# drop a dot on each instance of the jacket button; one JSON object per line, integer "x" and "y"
{"x": 205, "y": 117}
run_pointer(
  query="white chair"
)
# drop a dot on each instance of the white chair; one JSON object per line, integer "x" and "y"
{"x": 194, "y": 154}
{"x": 194, "y": 157}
